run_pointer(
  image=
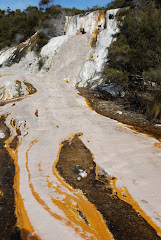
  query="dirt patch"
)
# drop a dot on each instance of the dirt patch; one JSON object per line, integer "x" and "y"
{"x": 8, "y": 228}
{"x": 116, "y": 110}
{"x": 77, "y": 167}
{"x": 14, "y": 143}
{"x": 30, "y": 88}
{"x": 36, "y": 113}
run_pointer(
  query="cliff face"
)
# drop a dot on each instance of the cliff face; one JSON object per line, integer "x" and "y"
{"x": 102, "y": 25}
{"x": 89, "y": 22}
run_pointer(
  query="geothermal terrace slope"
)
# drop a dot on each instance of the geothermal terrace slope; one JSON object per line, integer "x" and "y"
{"x": 45, "y": 205}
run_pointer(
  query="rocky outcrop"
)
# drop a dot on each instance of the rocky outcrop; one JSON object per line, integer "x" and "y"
{"x": 14, "y": 55}
{"x": 102, "y": 25}
{"x": 90, "y": 22}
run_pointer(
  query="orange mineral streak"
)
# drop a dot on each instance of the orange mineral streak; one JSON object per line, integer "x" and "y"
{"x": 126, "y": 196}
{"x": 137, "y": 132}
{"x": 22, "y": 217}
{"x": 96, "y": 224}
{"x": 157, "y": 144}
{"x": 97, "y": 227}
{"x": 72, "y": 212}
{"x": 94, "y": 38}
{"x": 89, "y": 105}
{"x": 35, "y": 194}
{"x": 29, "y": 42}
{"x": 5, "y": 74}
{"x": 101, "y": 15}
{"x": 39, "y": 166}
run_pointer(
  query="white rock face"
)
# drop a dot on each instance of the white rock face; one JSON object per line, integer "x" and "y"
{"x": 30, "y": 62}
{"x": 6, "y": 54}
{"x": 104, "y": 25}
{"x": 90, "y": 22}
{"x": 9, "y": 54}
{"x": 101, "y": 25}
{"x": 51, "y": 49}
{"x": 104, "y": 39}
{"x": 12, "y": 89}
{"x": 2, "y": 135}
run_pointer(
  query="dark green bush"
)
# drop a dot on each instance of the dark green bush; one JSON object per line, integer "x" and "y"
{"x": 137, "y": 48}
{"x": 40, "y": 42}
{"x": 152, "y": 76}
{"x": 115, "y": 76}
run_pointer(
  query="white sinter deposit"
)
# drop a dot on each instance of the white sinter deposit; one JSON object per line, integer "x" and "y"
{"x": 6, "y": 54}
{"x": 31, "y": 61}
{"x": 89, "y": 22}
{"x": 102, "y": 25}
{"x": 56, "y": 112}
{"x": 49, "y": 51}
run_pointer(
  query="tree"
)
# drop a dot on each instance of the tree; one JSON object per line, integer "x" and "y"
{"x": 43, "y": 4}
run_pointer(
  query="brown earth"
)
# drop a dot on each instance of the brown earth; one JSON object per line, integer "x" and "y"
{"x": 122, "y": 220}
{"x": 112, "y": 109}
{"x": 8, "y": 226}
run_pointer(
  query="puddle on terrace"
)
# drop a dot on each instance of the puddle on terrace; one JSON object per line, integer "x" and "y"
{"x": 8, "y": 226}
{"x": 77, "y": 167}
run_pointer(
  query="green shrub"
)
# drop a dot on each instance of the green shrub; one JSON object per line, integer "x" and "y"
{"x": 40, "y": 42}
{"x": 119, "y": 4}
{"x": 119, "y": 54}
{"x": 115, "y": 76}
{"x": 137, "y": 47}
{"x": 153, "y": 76}
{"x": 122, "y": 13}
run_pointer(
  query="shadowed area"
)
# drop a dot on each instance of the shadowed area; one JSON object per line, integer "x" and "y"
{"x": 8, "y": 228}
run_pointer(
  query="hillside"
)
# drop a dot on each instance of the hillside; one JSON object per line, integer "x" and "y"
{"x": 67, "y": 171}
